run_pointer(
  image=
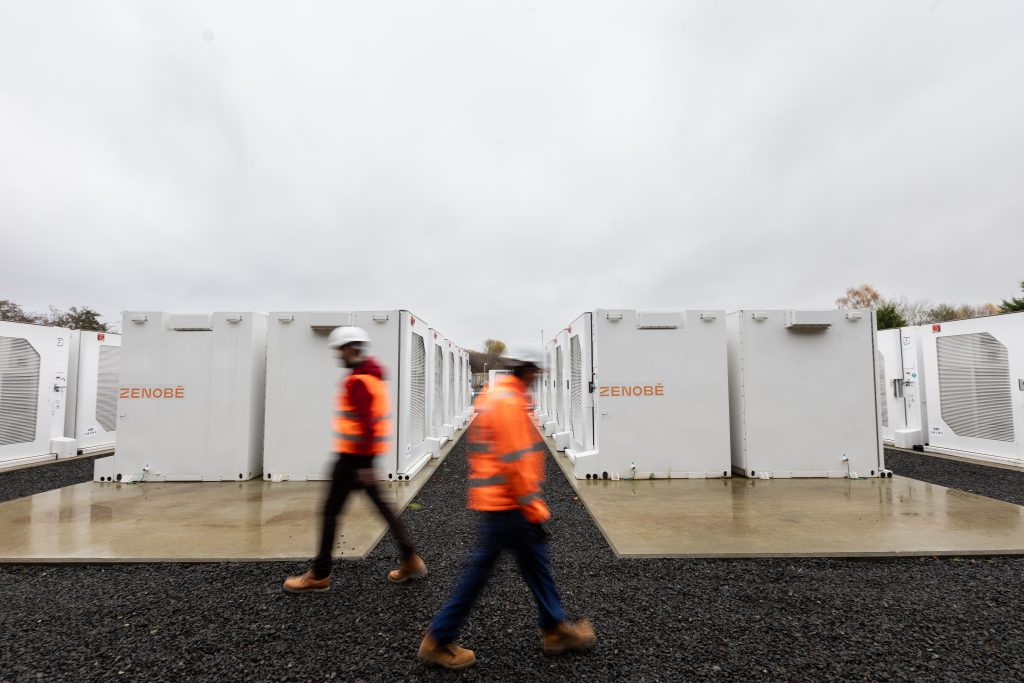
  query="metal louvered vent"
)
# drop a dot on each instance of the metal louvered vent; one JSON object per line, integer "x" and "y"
{"x": 576, "y": 388}
{"x": 451, "y": 383}
{"x": 106, "y": 387}
{"x": 19, "y": 391}
{"x": 559, "y": 388}
{"x": 883, "y": 395}
{"x": 974, "y": 386}
{"x": 418, "y": 391}
{"x": 438, "y": 387}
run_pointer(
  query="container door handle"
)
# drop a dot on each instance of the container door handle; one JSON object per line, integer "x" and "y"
{"x": 897, "y": 388}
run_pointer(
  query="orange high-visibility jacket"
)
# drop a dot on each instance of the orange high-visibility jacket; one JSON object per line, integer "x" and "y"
{"x": 506, "y": 453}
{"x": 349, "y": 432}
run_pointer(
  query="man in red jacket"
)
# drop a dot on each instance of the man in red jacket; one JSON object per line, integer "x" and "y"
{"x": 362, "y": 430}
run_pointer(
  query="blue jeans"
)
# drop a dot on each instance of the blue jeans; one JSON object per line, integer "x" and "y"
{"x": 497, "y": 531}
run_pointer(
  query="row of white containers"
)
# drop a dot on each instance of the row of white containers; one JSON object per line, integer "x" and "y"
{"x": 772, "y": 393}
{"x": 58, "y": 392}
{"x": 231, "y": 396}
{"x": 956, "y": 387}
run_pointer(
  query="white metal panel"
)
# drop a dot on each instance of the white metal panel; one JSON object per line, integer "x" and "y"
{"x": 191, "y": 400}
{"x": 91, "y": 416}
{"x": 415, "y": 387}
{"x": 661, "y": 396}
{"x": 975, "y": 386}
{"x": 581, "y": 384}
{"x": 890, "y": 387}
{"x": 436, "y": 385}
{"x": 33, "y": 390}
{"x": 561, "y": 377}
{"x": 802, "y": 400}
{"x": 303, "y": 375}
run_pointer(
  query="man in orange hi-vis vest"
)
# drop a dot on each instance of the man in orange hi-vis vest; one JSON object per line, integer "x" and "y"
{"x": 506, "y": 469}
{"x": 362, "y": 430}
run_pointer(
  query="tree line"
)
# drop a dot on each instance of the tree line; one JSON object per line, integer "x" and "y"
{"x": 904, "y": 312}
{"x": 75, "y": 318}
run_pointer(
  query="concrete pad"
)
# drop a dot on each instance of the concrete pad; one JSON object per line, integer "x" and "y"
{"x": 192, "y": 521}
{"x": 740, "y": 517}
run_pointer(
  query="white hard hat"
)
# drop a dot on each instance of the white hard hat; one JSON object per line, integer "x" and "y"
{"x": 525, "y": 352}
{"x": 342, "y": 336}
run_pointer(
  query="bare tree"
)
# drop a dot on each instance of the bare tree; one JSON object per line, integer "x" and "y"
{"x": 864, "y": 296}
{"x": 914, "y": 311}
{"x": 75, "y": 318}
{"x": 12, "y": 312}
{"x": 494, "y": 347}
{"x": 946, "y": 312}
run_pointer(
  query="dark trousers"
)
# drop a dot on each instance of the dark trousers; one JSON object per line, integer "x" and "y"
{"x": 497, "y": 531}
{"x": 347, "y": 477}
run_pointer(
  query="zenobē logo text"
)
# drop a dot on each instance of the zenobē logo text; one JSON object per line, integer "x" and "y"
{"x": 152, "y": 392}
{"x": 635, "y": 390}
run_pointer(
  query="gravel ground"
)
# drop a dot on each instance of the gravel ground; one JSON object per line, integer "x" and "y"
{"x": 776, "y": 619}
{"x": 993, "y": 482}
{"x": 39, "y": 478}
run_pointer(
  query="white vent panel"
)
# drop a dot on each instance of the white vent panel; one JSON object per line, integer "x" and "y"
{"x": 974, "y": 386}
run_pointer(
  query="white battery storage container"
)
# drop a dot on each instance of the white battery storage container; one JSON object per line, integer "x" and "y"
{"x": 975, "y": 373}
{"x": 191, "y": 397}
{"x": 648, "y": 395}
{"x": 803, "y": 394}
{"x": 904, "y": 402}
{"x": 33, "y": 393}
{"x": 303, "y": 375}
{"x": 91, "y": 415}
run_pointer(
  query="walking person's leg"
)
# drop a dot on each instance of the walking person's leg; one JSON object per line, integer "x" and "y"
{"x": 342, "y": 483}
{"x": 535, "y": 567}
{"x": 531, "y": 551}
{"x": 412, "y": 565}
{"x": 438, "y": 646}
{"x": 318, "y": 579}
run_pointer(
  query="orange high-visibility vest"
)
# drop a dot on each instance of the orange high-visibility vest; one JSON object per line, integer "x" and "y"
{"x": 506, "y": 453}
{"x": 348, "y": 431}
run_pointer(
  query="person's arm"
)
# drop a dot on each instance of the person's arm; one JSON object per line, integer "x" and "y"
{"x": 362, "y": 403}
{"x": 521, "y": 466}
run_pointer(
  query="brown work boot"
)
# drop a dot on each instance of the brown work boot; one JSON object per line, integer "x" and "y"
{"x": 307, "y": 583}
{"x": 412, "y": 567}
{"x": 450, "y": 656}
{"x": 575, "y": 636}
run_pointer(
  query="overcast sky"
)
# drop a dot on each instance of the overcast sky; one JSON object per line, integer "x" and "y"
{"x": 499, "y": 167}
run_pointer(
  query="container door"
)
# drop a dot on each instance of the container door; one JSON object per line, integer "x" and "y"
{"x": 890, "y": 380}
{"x": 560, "y": 381}
{"x": 33, "y": 388}
{"x": 414, "y": 393}
{"x": 914, "y": 399}
{"x": 975, "y": 373}
{"x": 20, "y": 384}
{"x": 436, "y": 388}
{"x": 581, "y": 382}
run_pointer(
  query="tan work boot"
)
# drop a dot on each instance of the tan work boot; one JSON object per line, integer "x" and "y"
{"x": 449, "y": 656}
{"x": 411, "y": 568}
{"x": 575, "y": 636}
{"x": 307, "y": 583}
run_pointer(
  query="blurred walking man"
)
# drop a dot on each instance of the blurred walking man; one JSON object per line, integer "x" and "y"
{"x": 506, "y": 468}
{"x": 362, "y": 430}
